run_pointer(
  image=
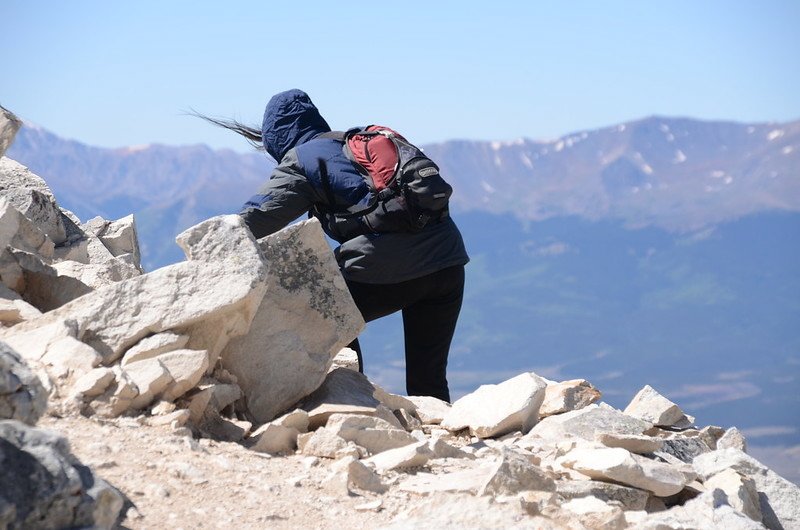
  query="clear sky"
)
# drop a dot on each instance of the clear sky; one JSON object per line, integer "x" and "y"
{"x": 121, "y": 73}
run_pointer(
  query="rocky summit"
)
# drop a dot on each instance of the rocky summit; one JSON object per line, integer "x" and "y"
{"x": 218, "y": 392}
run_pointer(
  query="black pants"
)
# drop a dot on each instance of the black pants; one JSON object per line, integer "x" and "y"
{"x": 430, "y": 308}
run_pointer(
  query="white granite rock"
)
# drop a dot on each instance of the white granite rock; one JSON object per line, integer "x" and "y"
{"x": 274, "y": 439}
{"x": 345, "y": 358}
{"x": 709, "y": 510}
{"x": 442, "y": 449}
{"x": 119, "y": 237}
{"x": 732, "y": 439}
{"x": 305, "y": 317}
{"x": 620, "y": 465}
{"x": 326, "y": 444}
{"x": 586, "y": 423}
{"x": 393, "y": 401}
{"x": 430, "y": 410}
{"x": 634, "y": 443}
{"x": 494, "y": 410}
{"x": 31, "y": 195}
{"x": 154, "y": 345}
{"x": 150, "y": 377}
{"x": 741, "y": 491}
{"x": 568, "y": 395}
{"x": 779, "y": 499}
{"x": 407, "y": 456}
{"x": 96, "y": 275}
{"x": 629, "y": 498}
{"x": 374, "y": 434}
{"x": 9, "y": 125}
{"x": 595, "y": 514}
{"x": 342, "y": 390}
{"x": 186, "y": 368}
{"x": 209, "y": 400}
{"x": 468, "y": 480}
{"x": 649, "y": 405}
{"x": 358, "y": 475}
{"x": 296, "y": 419}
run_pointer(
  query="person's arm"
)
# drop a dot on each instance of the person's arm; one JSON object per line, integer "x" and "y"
{"x": 282, "y": 199}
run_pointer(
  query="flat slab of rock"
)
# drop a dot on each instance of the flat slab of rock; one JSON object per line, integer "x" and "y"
{"x": 779, "y": 499}
{"x": 709, "y": 510}
{"x": 649, "y": 405}
{"x": 494, "y": 410}
{"x": 586, "y": 423}
{"x": 630, "y": 498}
{"x": 634, "y": 443}
{"x": 568, "y": 395}
{"x": 622, "y": 466}
{"x": 463, "y": 481}
{"x": 407, "y": 456}
{"x": 305, "y": 317}
{"x": 342, "y": 390}
{"x": 373, "y": 434}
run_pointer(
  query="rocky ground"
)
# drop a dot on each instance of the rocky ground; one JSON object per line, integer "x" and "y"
{"x": 216, "y": 392}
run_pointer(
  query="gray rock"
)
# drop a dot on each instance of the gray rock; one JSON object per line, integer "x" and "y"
{"x": 779, "y": 499}
{"x": 40, "y": 209}
{"x": 630, "y": 498}
{"x": 186, "y": 368}
{"x": 9, "y": 125}
{"x": 358, "y": 475}
{"x": 306, "y": 316}
{"x": 684, "y": 449}
{"x": 22, "y": 396}
{"x": 586, "y": 423}
{"x": 494, "y": 410}
{"x": 326, "y": 444}
{"x": 274, "y": 439}
{"x": 592, "y": 513}
{"x": 514, "y": 473}
{"x": 345, "y": 358}
{"x": 51, "y": 489}
{"x": 42, "y": 285}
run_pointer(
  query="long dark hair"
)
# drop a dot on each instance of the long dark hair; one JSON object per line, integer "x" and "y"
{"x": 248, "y": 132}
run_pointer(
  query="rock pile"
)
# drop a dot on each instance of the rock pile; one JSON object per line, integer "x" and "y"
{"x": 244, "y": 341}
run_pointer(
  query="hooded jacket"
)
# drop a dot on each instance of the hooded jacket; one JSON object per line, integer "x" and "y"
{"x": 291, "y": 135}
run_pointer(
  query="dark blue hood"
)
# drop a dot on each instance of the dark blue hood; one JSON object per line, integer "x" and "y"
{"x": 290, "y": 120}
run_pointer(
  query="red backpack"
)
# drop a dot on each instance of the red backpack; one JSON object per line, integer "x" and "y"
{"x": 406, "y": 190}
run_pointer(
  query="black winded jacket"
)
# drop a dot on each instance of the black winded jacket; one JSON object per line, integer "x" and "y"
{"x": 290, "y": 133}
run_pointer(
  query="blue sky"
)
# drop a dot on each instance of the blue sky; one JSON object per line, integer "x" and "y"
{"x": 114, "y": 73}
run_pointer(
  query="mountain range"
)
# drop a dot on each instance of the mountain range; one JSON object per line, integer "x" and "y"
{"x": 662, "y": 251}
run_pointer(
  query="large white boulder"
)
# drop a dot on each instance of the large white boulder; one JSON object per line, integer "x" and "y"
{"x": 494, "y": 410}
{"x": 305, "y": 317}
{"x": 568, "y": 395}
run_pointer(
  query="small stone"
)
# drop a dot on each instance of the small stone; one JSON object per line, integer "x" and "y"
{"x": 430, "y": 410}
{"x": 629, "y": 498}
{"x": 94, "y": 382}
{"x": 595, "y": 514}
{"x": 649, "y": 405}
{"x": 326, "y": 444}
{"x": 374, "y": 434}
{"x": 733, "y": 438}
{"x": 346, "y": 358}
{"x": 150, "y": 377}
{"x": 494, "y": 410}
{"x": 534, "y": 502}
{"x": 186, "y": 367}
{"x": 372, "y": 506}
{"x": 153, "y": 346}
{"x": 274, "y": 439}
{"x": 631, "y": 442}
{"x": 568, "y": 395}
{"x": 359, "y": 476}
{"x": 297, "y": 419}
{"x": 442, "y": 449}
{"x": 412, "y": 455}
{"x": 514, "y": 473}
